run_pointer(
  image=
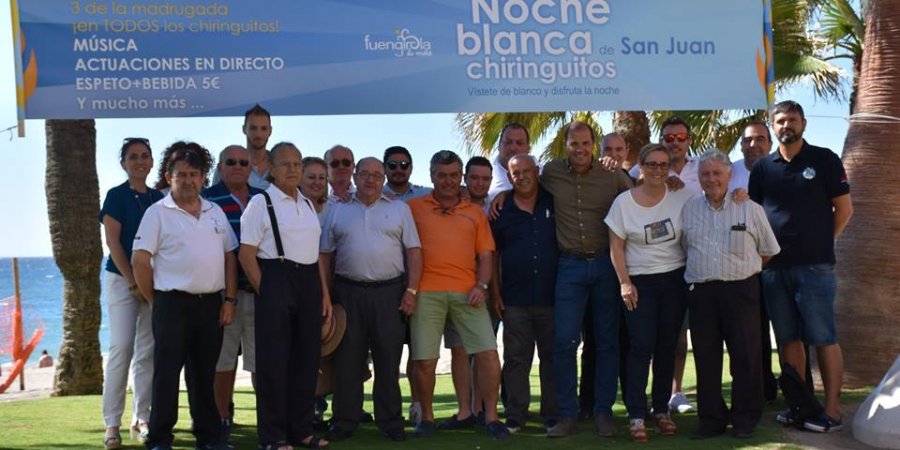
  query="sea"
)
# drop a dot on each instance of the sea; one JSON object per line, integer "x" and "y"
{"x": 41, "y": 286}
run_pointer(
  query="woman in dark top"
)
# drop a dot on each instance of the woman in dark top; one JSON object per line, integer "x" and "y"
{"x": 130, "y": 332}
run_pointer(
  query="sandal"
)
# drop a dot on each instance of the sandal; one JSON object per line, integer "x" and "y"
{"x": 638, "y": 431}
{"x": 314, "y": 442}
{"x": 664, "y": 425}
{"x": 112, "y": 441}
{"x": 140, "y": 432}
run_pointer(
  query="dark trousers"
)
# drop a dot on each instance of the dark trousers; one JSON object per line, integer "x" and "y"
{"x": 523, "y": 328}
{"x": 727, "y": 311}
{"x": 188, "y": 335}
{"x": 653, "y": 329}
{"x": 374, "y": 324}
{"x": 770, "y": 384}
{"x": 589, "y": 362}
{"x": 288, "y": 345}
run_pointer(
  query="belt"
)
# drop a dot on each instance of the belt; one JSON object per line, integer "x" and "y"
{"x": 211, "y": 295}
{"x": 582, "y": 255}
{"x": 369, "y": 284}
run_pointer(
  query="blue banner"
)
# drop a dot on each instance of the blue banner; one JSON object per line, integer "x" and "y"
{"x": 152, "y": 58}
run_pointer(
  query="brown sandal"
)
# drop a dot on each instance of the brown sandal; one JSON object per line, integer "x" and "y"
{"x": 664, "y": 425}
{"x": 638, "y": 431}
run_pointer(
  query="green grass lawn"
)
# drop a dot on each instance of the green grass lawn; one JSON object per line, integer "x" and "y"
{"x": 76, "y": 423}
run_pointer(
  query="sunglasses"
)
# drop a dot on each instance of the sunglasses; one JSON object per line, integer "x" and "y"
{"x": 233, "y": 161}
{"x": 340, "y": 162}
{"x": 132, "y": 140}
{"x": 671, "y": 137}
{"x": 393, "y": 165}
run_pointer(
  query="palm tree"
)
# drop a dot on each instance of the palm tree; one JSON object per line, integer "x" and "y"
{"x": 843, "y": 31}
{"x": 868, "y": 253}
{"x": 72, "y": 206}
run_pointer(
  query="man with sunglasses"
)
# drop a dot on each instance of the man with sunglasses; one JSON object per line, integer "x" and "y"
{"x": 258, "y": 129}
{"x": 340, "y": 172}
{"x": 232, "y": 193}
{"x": 398, "y": 167}
{"x": 676, "y": 137}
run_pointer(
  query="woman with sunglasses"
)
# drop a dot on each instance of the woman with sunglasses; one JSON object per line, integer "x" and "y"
{"x": 131, "y": 335}
{"x": 314, "y": 182}
{"x": 644, "y": 233}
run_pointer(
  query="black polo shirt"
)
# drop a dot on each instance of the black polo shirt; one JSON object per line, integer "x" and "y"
{"x": 528, "y": 252}
{"x": 796, "y": 196}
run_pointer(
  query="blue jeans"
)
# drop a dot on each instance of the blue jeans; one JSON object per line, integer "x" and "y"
{"x": 577, "y": 283}
{"x": 800, "y": 300}
{"x": 653, "y": 329}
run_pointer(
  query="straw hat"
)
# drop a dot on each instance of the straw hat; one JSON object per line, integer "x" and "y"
{"x": 333, "y": 330}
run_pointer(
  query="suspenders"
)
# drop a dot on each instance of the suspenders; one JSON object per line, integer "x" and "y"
{"x": 271, "y": 209}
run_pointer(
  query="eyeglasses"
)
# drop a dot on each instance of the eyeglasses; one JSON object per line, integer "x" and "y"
{"x": 233, "y": 161}
{"x": 335, "y": 163}
{"x": 671, "y": 137}
{"x": 393, "y": 165}
{"x": 655, "y": 165}
{"x": 132, "y": 140}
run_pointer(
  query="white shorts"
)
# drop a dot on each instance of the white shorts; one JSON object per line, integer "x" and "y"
{"x": 241, "y": 333}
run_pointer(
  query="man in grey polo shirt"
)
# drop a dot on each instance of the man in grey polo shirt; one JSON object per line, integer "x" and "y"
{"x": 726, "y": 244}
{"x": 367, "y": 239}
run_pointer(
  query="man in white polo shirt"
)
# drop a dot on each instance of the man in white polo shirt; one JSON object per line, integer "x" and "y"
{"x": 182, "y": 262}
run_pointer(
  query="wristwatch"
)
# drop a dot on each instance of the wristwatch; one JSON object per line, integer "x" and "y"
{"x": 482, "y": 285}
{"x": 231, "y": 300}
{"x": 412, "y": 291}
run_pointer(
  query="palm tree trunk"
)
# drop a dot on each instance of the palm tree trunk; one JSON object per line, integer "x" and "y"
{"x": 868, "y": 253}
{"x": 72, "y": 206}
{"x": 635, "y": 128}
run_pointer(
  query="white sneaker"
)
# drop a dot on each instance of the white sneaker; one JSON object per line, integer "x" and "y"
{"x": 415, "y": 413}
{"x": 680, "y": 404}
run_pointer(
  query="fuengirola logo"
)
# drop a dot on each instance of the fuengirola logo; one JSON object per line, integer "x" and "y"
{"x": 404, "y": 45}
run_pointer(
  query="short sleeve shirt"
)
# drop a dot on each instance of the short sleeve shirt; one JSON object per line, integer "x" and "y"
{"x": 797, "y": 197}
{"x": 451, "y": 240}
{"x": 187, "y": 253}
{"x": 368, "y": 241}
{"x": 581, "y": 203}
{"x": 298, "y": 226}
{"x": 526, "y": 246}
{"x": 127, "y": 206}
{"x": 725, "y": 244}
{"x": 652, "y": 234}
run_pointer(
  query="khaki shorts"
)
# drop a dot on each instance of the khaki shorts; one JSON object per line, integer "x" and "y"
{"x": 433, "y": 309}
{"x": 240, "y": 333}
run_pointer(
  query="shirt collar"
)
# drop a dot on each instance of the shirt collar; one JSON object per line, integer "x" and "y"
{"x": 169, "y": 202}
{"x": 572, "y": 170}
{"x": 726, "y": 202}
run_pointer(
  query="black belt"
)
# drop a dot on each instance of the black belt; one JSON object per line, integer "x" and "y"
{"x": 210, "y": 295}
{"x": 582, "y": 255}
{"x": 368, "y": 284}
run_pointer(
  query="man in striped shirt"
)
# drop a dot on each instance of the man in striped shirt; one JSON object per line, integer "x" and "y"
{"x": 726, "y": 244}
{"x": 232, "y": 193}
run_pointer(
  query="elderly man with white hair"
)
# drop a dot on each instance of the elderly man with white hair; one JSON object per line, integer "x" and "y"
{"x": 726, "y": 244}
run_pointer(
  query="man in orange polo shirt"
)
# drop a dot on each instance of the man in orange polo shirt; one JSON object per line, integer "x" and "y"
{"x": 456, "y": 249}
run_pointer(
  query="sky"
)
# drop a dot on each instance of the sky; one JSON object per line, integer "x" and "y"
{"x": 24, "y": 228}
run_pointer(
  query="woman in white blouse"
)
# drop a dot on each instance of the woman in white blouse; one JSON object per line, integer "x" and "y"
{"x": 644, "y": 234}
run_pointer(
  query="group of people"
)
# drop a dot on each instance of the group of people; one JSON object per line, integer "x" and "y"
{"x": 280, "y": 244}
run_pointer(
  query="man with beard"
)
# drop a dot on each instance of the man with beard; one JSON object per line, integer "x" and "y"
{"x": 806, "y": 195}
{"x": 258, "y": 129}
{"x": 398, "y": 167}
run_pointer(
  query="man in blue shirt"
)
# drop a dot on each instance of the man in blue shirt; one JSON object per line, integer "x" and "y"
{"x": 806, "y": 196}
{"x": 525, "y": 235}
{"x": 232, "y": 193}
